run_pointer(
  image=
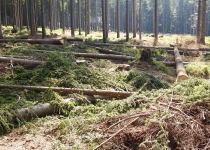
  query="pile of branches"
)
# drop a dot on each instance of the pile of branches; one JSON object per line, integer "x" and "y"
{"x": 167, "y": 122}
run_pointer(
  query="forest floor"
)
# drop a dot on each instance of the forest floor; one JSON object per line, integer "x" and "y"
{"x": 161, "y": 114}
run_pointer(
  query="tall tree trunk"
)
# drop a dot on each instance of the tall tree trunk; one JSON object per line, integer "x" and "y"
{"x": 14, "y": 13}
{"x": 106, "y": 18}
{"x": 27, "y": 19}
{"x": 103, "y": 21}
{"x": 43, "y": 20}
{"x": 199, "y": 22}
{"x": 63, "y": 17}
{"x": 72, "y": 17}
{"x": 140, "y": 20}
{"x": 118, "y": 19}
{"x": 134, "y": 18}
{"x": 1, "y": 35}
{"x": 51, "y": 14}
{"x": 127, "y": 21}
{"x": 79, "y": 17}
{"x": 20, "y": 14}
{"x": 156, "y": 23}
{"x": 32, "y": 16}
{"x": 35, "y": 15}
{"x": 5, "y": 13}
{"x": 203, "y": 22}
{"x": 88, "y": 16}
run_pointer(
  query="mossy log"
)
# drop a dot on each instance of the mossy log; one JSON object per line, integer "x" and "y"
{"x": 108, "y": 51}
{"x": 180, "y": 70}
{"x": 62, "y": 90}
{"x": 35, "y": 41}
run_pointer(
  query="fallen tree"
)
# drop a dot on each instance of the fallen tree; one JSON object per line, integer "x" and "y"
{"x": 62, "y": 90}
{"x": 26, "y": 62}
{"x": 40, "y": 110}
{"x": 108, "y": 51}
{"x": 21, "y": 61}
{"x": 74, "y": 40}
{"x": 180, "y": 70}
{"x": 155, "y": 47}
{"x": 104, "y": 56}
{"x": 34, "y": 41}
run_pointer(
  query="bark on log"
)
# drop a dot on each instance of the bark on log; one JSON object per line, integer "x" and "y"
{"x": 34, "y": 41}
{"x": 25, "y": 62}
{"x": 108, "y": 51}
{"x": 156, "y": 47}
{"x": 180, "y": 70}
{"x": 74, "y": 40}
{"x": 61, "y": 90}
{"x": 104, "y": 56}
{"x": 21, "y": 61}
{"x": 40, "y": 110}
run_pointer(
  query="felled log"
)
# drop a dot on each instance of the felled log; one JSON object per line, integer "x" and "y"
{"x": 61, "y": 90}
{"x": 34, "y": 41}
{"x": 104, "y": 56}
{"x": 180, "y": 70}
{"x": 74, "y": 40}
{"x": 20, "y": 61}
{"x": 108, "y": 51}
{"x": 155, "y": 47}
{"x": 40, "y": 110}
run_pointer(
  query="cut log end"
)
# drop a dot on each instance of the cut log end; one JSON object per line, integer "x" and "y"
{"x": 181, "y": 77}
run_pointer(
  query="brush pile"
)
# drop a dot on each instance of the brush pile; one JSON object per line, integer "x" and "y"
{"x": 169, "y": 119}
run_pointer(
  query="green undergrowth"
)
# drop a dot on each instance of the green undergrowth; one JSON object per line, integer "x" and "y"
{"x": 77, "y": 121}
{"x": 138, "y": 79}
{"x": 198, "y": 70}
{"x": 160, "y": 66}
{"x": 127, "y": 51}
{"x": 206, "y": 57}
{"x": 194, "y": 89}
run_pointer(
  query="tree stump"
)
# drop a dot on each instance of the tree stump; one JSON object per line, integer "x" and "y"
{"x": 146, "y": 55}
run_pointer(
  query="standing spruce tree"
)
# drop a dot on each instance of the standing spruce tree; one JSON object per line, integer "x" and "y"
{"x": 118, "y": 18}
{"x": 72, "y": 17}
{"x": 1, "y": 35}
{"x": 103, "y": 20}
{"x": 51, "y": 14}
{"x": 79, "y": 16}
{"x": 86, "y": 18}
{"x": 63, "y": 17}
{"x": 43, "y": 20}
{"x": 27, "y": 17}
{"x": 127, "y": 21}
{"x": 32, "y": 18}
{"x": 5, "y": 13}
{"x": 156, "y": 23}
{"x": 203, "y": 22}
{"x": 140, "y": 20}
{"x": 199, "y": 22}
{"x": 106, "y": 19}
{"x": 134, "y": 18}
